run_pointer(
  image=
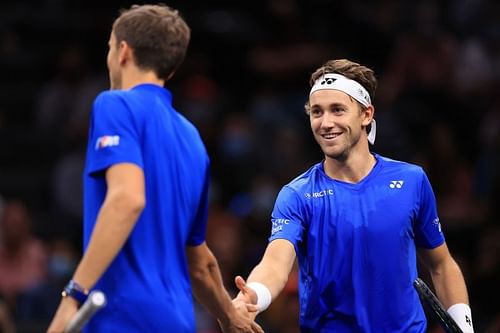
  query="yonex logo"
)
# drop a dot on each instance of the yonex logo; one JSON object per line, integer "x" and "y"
{"x": 396, "y": 184}
{"x": 328, "y": 80}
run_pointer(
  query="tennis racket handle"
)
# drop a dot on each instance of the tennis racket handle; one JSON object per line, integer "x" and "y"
{"x": 94, "y": 302}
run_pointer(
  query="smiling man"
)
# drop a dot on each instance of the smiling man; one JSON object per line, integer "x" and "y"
{"x": 355, "y": 221}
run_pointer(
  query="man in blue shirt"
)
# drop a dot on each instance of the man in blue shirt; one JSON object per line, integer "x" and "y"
{"x": 146, "y": 186}
{"x": 355, "y": 222}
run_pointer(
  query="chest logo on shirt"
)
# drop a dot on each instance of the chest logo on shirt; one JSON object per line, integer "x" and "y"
{"x": 107, "y": 141}
{"x": 396, "y": 183}
{"x": 319, "y": 194}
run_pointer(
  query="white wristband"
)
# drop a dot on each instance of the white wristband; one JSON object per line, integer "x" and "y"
{"x": 461, "y": 313}
{"x": 263, "y": 295}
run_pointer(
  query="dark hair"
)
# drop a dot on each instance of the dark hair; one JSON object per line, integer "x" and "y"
{"x": 157, "y": 34}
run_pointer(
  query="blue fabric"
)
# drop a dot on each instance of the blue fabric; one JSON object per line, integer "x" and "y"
{"x": 147, "y": 284}
{"x": 356, "y": 246}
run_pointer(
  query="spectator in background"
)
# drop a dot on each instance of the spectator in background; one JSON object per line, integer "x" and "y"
{"x": 63, "y": 103}
{"x": 6, "y": 321}
{"x": 23, "y": 257}
{"x": 61, "y": 115}
{"x": 487, "y": 276}
{"x": 35, "y": 306}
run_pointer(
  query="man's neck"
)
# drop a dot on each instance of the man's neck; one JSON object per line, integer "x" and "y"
{"x": 134, "y": 77}
{"x": 353, "y": 169}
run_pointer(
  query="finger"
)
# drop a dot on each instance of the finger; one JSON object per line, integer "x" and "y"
{"x": 241, "y": 284}
{"x": 240, "y": 304}
{"x": 252, "y": 307}
{"x": 256, "y": 328}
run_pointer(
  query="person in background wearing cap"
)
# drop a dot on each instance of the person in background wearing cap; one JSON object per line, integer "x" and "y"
{"x": 355, "y": 221}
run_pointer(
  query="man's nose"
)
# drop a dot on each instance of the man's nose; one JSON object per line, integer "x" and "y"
{"x": 328, "y": 120}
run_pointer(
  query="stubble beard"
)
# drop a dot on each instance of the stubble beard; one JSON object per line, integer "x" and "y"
{"x": 342, "y": 154}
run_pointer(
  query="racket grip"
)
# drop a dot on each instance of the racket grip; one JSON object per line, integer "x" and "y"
{"x": 94, "y": 302}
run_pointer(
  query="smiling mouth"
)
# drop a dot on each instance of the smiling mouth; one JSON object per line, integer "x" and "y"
{"x": 331, "y": 136}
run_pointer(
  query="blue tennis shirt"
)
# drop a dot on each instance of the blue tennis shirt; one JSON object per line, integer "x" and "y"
{"x": 147, "y": 285}
{"x": 356, "y": 246}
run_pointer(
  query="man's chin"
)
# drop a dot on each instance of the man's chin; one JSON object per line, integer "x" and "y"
{"x": 336, "y": 154}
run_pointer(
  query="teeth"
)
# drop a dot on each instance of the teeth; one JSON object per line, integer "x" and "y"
{"x": 331, "y": 135}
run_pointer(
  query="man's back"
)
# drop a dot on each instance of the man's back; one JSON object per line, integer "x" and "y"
{"x": 147, "y": 284}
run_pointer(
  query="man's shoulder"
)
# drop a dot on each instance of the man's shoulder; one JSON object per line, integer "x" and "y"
{"x": 109, "y": 102}
{"x": 306, "y": 178}
{"x": 110, "y": 95}
{"x": 399, "y": 166}
{"x": 107, "y": 98}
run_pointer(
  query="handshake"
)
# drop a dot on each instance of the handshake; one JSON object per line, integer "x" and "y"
{"x": 246, "y": 306}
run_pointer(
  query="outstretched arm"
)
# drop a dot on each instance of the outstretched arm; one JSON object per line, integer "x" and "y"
{"x": 209, "y": 290}
{"x": 269, "y": 277}
{"x": 449, "y": 283}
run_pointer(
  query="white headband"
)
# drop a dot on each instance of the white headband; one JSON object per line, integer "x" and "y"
{"x": 350, "y": 87}
{"x": 340, "y": 82}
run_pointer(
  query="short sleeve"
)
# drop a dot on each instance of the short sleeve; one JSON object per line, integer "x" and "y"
{"x": 198, "y": 230}
{"x": 428, "y": 233}
{"x": 288, "y": 217}
{"x": 114, "y": 136}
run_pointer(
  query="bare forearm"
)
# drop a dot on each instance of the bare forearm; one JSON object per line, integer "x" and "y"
{"x": 112, "y": 229}
{"x": 275, "y": 266}
{"x": 271, "y": 277}
{"x": 449, "y": 284}
{"x": 209, "y": 290}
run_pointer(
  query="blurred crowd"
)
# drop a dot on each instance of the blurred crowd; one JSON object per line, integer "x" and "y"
{"x": 244, "y": 84}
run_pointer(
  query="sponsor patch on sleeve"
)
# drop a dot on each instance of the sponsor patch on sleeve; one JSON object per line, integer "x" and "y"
{"x": 107, "y": 141}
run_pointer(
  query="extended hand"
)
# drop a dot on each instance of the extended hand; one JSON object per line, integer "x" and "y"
{"x": 246, "y": 294}
{"x": 245, "y": 311}
{"x": 241, "y": 320}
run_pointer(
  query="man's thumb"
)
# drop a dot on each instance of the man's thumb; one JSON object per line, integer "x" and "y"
{"x": 241, "y": 284}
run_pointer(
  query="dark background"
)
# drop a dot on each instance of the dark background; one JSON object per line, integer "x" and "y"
{"x": 244, "y": 83}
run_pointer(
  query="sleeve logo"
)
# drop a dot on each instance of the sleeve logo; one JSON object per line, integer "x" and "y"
{"x": 437, "y": 224}
{"x": 278, "y": 225}
{"x": 107, "y": 141}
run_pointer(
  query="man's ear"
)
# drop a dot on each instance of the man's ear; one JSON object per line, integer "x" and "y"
{"x": 124, "y": 53}
{"x": 368, "y": 115}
